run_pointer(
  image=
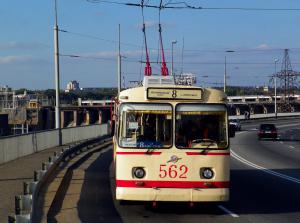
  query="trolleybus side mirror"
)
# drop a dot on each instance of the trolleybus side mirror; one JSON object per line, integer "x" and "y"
{"x": 112, "y": 128}
{"x": 231, "y": 130}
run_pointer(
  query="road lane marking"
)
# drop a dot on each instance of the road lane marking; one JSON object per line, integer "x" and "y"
{"x": 271, "y": 172}
{"x": 292, "y": 147}
{"x": 228, "y": 211}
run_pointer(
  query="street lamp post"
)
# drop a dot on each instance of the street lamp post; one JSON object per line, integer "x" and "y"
{"x": 275, "y": 89}
{"x": 225, "y": 69}
{"x": 172, "y": 67}
{"x": 57, "y": 78}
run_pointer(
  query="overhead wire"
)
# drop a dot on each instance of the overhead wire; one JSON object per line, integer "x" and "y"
{"x": 96, "y": 58}
{"x": 185, "y": 5}
{"x": 170, "y": 4}
{"x": 97, "y": 38}
{"x": 186, "y": 50}
{"x": 175, "y": 62}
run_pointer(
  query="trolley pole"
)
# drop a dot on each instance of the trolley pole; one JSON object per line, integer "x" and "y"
{"x": 57, "y": 78}
{"x": 119, "y": 62}
{"x": 172, "y": 67}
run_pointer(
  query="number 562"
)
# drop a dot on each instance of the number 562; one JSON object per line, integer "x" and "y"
{"x": 173, "y": 171}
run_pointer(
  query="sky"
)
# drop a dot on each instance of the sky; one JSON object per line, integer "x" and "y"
{"x": 90, "y": 31}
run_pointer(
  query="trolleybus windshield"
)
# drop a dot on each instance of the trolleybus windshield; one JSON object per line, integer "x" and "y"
{"x": 201, "y": 126}
{"x": 146, "y": 126}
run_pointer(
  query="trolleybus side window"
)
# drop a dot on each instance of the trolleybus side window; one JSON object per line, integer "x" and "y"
{"x": 146, "y": 126}
{"x": 201, "y": 126}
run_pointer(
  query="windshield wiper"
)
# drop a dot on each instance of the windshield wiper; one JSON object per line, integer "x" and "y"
{"x": 150, "y": 150}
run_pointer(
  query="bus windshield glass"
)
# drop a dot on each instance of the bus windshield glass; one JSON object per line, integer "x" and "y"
{"x": 201, "y": 126}
{"x": 145, "y": 126}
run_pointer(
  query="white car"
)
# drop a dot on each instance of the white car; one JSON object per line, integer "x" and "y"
{"x": 236, "y": 123}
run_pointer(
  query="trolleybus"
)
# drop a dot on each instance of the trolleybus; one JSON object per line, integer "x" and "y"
{"x": 171, "y": 143}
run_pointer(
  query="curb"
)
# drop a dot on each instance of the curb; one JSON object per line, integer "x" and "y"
{"x": 25, "y": 204}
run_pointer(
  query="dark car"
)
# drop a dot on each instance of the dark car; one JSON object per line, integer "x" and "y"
{"x": 236, "y": 123}
{"x": 267, "y": 131}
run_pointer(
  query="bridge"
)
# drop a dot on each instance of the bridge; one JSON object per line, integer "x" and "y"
{"x": 85, "y": 131}
{"x": 63, "y": 171}
{"x": 16, "y": 150}
{"x": 260, "y": 104}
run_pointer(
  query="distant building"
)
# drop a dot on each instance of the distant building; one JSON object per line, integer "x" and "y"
{"x": 72, "y": 86}
{"x": 5, "y": 89}
{"x": 7, "y": 96}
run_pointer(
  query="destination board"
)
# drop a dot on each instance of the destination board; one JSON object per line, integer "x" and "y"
{"x": 174, "y": 93}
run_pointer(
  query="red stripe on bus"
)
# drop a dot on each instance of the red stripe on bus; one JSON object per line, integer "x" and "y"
{"x": 171, "y": 184}
{"x": 138, "y": 153}
{"x": 207, "y": 154}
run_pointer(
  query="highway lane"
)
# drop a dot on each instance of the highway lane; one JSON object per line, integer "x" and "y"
{"x": 256, "y": 195}
{"x": 283, "y": 153}
{"x": 268, "y": 195}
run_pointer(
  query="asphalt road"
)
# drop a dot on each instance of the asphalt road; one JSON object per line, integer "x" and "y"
{"x": 265, "y": 186}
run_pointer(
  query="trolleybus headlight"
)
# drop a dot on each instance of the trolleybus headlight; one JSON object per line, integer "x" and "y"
{"x": 206, "y": 173}
{"x": 138, "y": 172}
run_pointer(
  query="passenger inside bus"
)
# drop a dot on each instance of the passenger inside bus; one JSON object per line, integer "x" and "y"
{"x": 180, "y": 138}
{"x": 148, "y": 133}
{"x": 146, "y": 126}
{"x": 194, "y": 130}
{"x": 152, "y": 134}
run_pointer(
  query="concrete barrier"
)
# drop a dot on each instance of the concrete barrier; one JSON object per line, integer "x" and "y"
{"x": 13, "y": 147}
{"x": 262, "y": 116}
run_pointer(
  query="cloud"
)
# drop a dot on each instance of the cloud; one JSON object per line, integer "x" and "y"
{"x": 13, "y": 59}
{"x": 22, "y": 46}
{"x": 263, "y": 46}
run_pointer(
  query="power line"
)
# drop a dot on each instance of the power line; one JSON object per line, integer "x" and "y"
{"x": 250, "y": 9}
{"x": 97, "y": 38}
{"x": 184, "y": 5}
{"x": 239, "y": 50}
{"x": 188, "y": 50}
{"x": 156, "y": 63}
{"x": 95, "y": 58}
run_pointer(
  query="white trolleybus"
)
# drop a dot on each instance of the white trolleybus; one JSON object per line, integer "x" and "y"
{"x": 171, "y": 143}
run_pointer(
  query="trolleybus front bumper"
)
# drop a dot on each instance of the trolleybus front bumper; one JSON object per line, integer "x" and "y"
{"x": 172, "y": 194}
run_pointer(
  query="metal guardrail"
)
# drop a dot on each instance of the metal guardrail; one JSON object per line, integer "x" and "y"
{"x": 25, "y": 204}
